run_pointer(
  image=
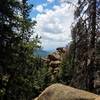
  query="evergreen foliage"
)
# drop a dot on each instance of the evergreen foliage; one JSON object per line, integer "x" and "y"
{"x": 23, "y": 76}
{"x": 84, "y": 34}
{"x": 66, "y": 69}
{"x": 17, "y": 63}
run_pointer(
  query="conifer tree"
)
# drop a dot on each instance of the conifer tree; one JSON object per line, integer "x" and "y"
{"x": 85, "y": 29}
{"x": 17, "y": 63}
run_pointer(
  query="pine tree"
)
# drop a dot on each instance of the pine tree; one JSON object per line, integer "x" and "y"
{"x": 8, "y": 40}
{"x": 16, "y": 54}
{"x": 84, "y": 38}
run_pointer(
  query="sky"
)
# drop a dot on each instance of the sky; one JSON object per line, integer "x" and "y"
{"x": 54, "y": 19}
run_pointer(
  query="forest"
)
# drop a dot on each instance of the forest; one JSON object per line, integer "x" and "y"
{"x": 23, "y": 76}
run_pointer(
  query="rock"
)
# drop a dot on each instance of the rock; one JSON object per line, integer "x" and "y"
{"x": 55, "y": 71}
{"x": 61, "y": 49}
{"x": 62, "y": 92}
{"x": 98, "y": 98}
{"x": 46, "y": 60}
{"x": 54, "y": 56}
{"x": 55, "y": 63}
{"x": 96, "y": 83}
{"x": 35, "y": 99}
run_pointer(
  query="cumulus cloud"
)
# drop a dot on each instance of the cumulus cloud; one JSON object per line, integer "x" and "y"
{"x": 54, "y": 26}
{"x": 45, "y": 4}
{"x": 50, "y": 1}
{"x": 39, "y": 8}
{"x": 73, "y": 1}
{"x": 20, "y": 1}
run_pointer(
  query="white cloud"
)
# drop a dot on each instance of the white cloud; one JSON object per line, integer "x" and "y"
{"x": 56, "y": 7}
{"x": 50, "y": 1}
{"x": 45, "y": 4}
{"x": 39, "y": 8}
{"x": 20, "y": 1}
{"x": 73, "y": 1}
{"x": 54, "y": 26}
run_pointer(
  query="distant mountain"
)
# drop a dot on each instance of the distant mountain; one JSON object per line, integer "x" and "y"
{"x": 41, "y": 53}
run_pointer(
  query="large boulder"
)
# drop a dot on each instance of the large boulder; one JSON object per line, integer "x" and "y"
{"x": 62, "y": 92}
{"x": 98, "y": 98}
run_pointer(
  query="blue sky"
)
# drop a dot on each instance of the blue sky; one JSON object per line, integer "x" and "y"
{"x": 41, "y": 2}
{"x": 54, "y": 18}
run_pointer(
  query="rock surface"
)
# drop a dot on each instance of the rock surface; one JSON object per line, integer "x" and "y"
{"x": 54, "y": 61}
{"x": 98, "y": 98}
{"x": 62, "y": 92}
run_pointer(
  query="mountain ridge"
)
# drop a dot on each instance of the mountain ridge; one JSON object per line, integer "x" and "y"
{"x": 41, "y": 53}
